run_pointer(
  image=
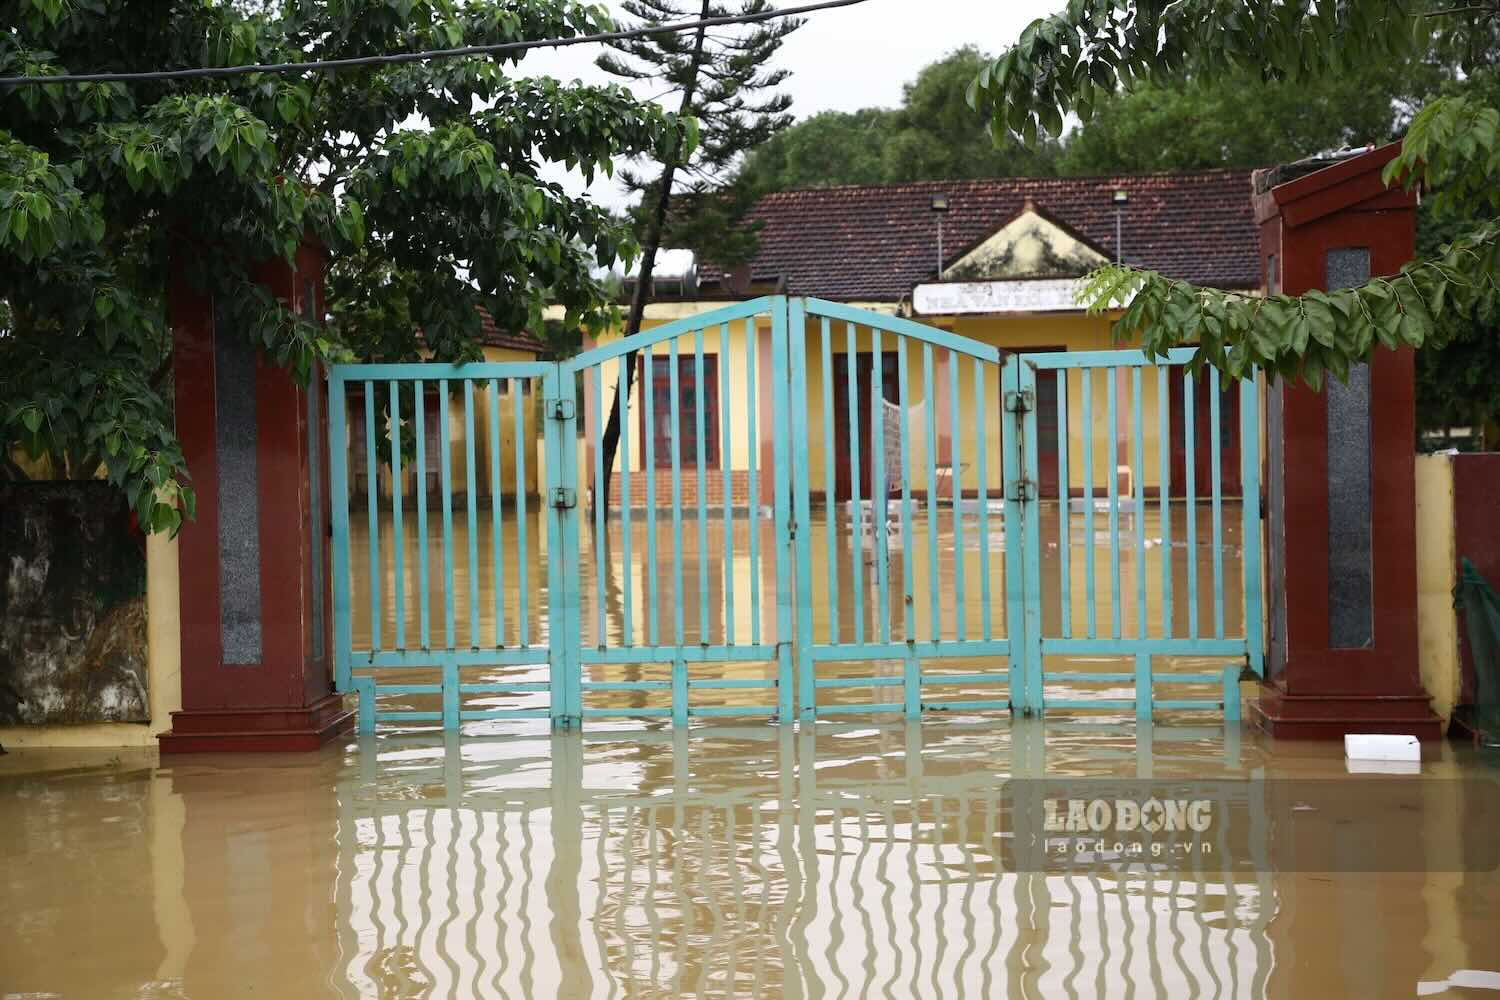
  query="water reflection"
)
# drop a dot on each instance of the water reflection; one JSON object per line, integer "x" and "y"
{"x": 849, "y": 862}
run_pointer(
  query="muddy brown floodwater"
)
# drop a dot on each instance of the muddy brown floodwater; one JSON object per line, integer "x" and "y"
{"x": 854, "y": 861}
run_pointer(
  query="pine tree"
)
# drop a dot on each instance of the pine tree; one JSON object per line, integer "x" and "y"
{"x": 725, "y": 83}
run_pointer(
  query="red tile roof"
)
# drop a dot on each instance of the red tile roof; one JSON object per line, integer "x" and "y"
{"x": 491, "y": 335}
{"x": 876, "y": 242}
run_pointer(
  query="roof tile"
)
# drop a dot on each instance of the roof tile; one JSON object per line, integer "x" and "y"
{"x": 876, "y": 242}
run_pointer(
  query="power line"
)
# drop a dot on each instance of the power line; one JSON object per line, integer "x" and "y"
{"x": 427, "y": 56}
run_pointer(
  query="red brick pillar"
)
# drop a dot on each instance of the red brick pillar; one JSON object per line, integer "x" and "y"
{"x": 1340, "y": 478}
{"x": 256, "y": 667}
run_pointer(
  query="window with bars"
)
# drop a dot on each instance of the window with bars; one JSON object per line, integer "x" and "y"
{"x": 659, "y": 384}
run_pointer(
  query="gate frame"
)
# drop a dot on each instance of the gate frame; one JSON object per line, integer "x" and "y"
{"x": 1021, "y": 372}
{"x": 912, "y": 651}
{"x": 1025, "y": 644}
{"x": 568, "y": 525}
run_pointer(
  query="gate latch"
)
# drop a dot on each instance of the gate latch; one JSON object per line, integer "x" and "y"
{"x": 560, "y": 409}
{"x": 1020, "y": 490}
{"x": 1018, "y": 402}
{"x": 564, "y": 497}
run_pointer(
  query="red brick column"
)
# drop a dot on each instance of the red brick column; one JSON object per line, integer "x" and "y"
{"x": 256, "y": 628}
{"x": 1341, "y": 503}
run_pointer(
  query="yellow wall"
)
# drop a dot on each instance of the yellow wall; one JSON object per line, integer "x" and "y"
{"x": 1437, "y": 568}
{"x": 1069, "y": 331}
{"x": 457, "y": 441}
{"x": 738, "y": 399}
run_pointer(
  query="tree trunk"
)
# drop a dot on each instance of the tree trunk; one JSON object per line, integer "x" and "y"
{"x": 650, "y": 244}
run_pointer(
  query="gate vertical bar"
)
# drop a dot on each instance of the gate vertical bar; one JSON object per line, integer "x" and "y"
{"x": 1064, "y": 509}
{"x": 1138, "y": 480}
{"x": 802, "y": 515}
{"x": 372, "y": 513}
{"x": 880, "y": 490}
{"x": 648, "y": 445}
{"x": 497, "y": 491}
{"x": 674, "y": 382}
{"x": 572, "y": 582}
{"x": 856, "y": 564}
{"x": 955, "y": 481}
{"x": 1112, "y": 481}
{"x": 726, "y": 463}
{"x": 398, "y": 537}
{"x": 782, "y": 468}
{"x": 1090, "y": 583}
{"x": 1250, "y": 540}
{"x": 523, "y": 560}
{"x": 830, "y": 483}
{"x": 929, "y": 410}
{"x": 700, "y": 395}
{"x": 1015, "y": 584}
{"x": 472, "y": 485}
{"x": 445, "y": 456}
{"x": 627, "y": 584}
{"x": 752, "y": 451}
{"x": 1216, "y": 494}
{"x": 1189, "y": 502}
{"x": 338, "y": 498}
{"x": 424, "y": 610}
{"x": 1031, "y": 541}
{"x": 596, "y": 439}
{"x": 560, "y": 476}
{"x": 981, "y": 422}
{"x": 1164, "y": 490}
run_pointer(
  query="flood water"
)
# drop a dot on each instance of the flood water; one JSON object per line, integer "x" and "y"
{"x": 849, "y": 861}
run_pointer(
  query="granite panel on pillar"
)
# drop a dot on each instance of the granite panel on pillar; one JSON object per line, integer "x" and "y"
{"x": 1351, "y": 583}
{"x": 235, "y": 429}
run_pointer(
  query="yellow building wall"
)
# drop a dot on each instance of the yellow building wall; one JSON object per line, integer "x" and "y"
{"x": 1437, "y": 574}
{"x": 716, "y": 346}
{"x": 1071, "y": 332}
{"x": 1066, "y": 331}
{"x": 484, "y": 403}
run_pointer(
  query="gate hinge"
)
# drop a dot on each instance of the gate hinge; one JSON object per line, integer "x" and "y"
{"x": 1018, "y": 402}
{"x": 560, "y": 409}
{"x": 564, "y": 497}
{"x": 1020, "y": 490}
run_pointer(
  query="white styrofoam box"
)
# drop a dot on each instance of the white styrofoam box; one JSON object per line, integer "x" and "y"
{"x": 1381, "y": 747}
{"x": 1382, "y": 766}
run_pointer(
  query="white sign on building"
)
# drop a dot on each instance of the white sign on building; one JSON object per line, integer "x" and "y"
{"x": 964, "y": 297}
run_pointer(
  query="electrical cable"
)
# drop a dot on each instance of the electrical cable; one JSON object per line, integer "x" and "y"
{"x": 426, "y": 56}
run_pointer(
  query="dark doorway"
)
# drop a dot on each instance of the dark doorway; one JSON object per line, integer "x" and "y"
{"x": 864, "y": 368}
{"x": 1229, "y": 437}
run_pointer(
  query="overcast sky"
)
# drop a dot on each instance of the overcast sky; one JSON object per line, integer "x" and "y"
{"x": 845, "y": 58}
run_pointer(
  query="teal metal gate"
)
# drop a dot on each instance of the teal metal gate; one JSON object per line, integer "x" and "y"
{"x": 817, "y": 510}
{"x": 1219, "y": 625}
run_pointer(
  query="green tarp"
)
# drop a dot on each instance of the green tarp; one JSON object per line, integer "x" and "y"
{"x": 1481, "y": 611}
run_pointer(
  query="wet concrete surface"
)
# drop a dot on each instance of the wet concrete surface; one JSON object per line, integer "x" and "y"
{"x": 855, "y": 860}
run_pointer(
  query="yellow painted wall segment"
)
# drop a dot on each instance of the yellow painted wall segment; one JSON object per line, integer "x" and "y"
{"x": 1066, "y": 331}
{"x": 1437, "y": 562}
